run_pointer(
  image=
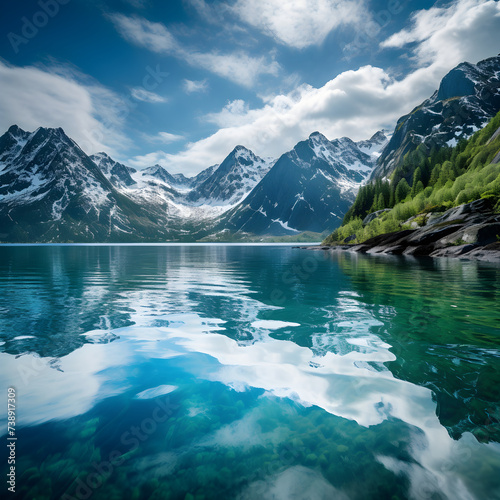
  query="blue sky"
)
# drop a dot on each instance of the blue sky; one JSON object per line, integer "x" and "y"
{"x": 181, "y": 82}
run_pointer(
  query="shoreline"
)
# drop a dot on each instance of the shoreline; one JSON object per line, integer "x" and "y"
{"x": 467, "y": 232}
{"x": 481, "y": 254}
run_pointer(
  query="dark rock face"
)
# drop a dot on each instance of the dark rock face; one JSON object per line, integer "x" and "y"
{"x": 467, "y": 99}
{"x": 374, "y": 215}
{"x": 51, "y": 191}
{"x": 469, "y": 231}
{"x": 308, "y": 189}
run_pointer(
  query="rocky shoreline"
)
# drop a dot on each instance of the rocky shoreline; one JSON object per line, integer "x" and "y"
{"x": 469, "y": 231}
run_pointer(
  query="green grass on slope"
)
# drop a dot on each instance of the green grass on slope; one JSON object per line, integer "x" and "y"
{"x": 466, "y": 175}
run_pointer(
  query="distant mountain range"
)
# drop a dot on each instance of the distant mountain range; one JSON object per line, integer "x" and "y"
{"x": 51, "y": 191}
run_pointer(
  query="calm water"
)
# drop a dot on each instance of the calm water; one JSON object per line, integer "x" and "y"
{"x": 221, "y": 372}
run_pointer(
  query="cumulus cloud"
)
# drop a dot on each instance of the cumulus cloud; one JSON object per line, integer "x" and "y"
{"x": 238, "y": 67}
{"x": 300, "y": 23}
{"x": 146, "y": 96}
{"x": 464, "y": 30}
{"x": 355, "y": 103}
{"x": 57, "y": 96}
{"x": 191, "y": 86}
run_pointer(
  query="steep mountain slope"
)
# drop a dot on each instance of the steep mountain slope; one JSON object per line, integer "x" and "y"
{"x": 455, "y": 212}
{"x": 235, "y": 177}
{"x": 117, "y": 173}
{"x": 202, "y": 176}
{"x": 467, "y": 98}
{"x": 309, "y": 188}
{"x": 50, "y": 190}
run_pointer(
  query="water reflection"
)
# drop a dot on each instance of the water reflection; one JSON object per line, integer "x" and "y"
{"x": 287, "y": 370}
{"x": 445, "y": 334}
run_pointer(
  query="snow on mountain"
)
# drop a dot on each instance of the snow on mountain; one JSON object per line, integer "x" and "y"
{"x": 117, "y": 173}
{"x": 232, "y": 181}
{"x": 203, "y": 176}
{"x": 11, "y": 143}
{"x": 467, "y": 98}
{"x": 374, "y": 146}
{"x": 322, "y": 178}
{"x": 50, "y": 190}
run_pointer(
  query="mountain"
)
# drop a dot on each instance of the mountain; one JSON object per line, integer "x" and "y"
{"x": 202, "y": 176}
{"x": 50, "y": 190}
{"x": 159, "y": 173}
{"x": 453, "y": 213}
{"x": 373, "y": 147}
{"x": 467, "y": 98}
{"x": 234, "y": 178}
{"x": 117, "y": 173}
{"x": 309, "y": 188}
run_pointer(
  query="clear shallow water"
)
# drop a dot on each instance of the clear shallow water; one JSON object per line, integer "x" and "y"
{"x": 250, "y": 372}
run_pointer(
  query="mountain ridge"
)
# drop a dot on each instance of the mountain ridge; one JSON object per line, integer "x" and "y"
{"x": 50, "y": 190}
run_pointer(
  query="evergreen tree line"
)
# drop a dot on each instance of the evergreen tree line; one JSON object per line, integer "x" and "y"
{"x": 424, "y": 183}
{"x": 418, "y": 171}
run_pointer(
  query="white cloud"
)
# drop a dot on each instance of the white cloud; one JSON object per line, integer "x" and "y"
{"x": 90, "y": 114}
{"x": 464, "y": 30}
{"x": 144, "y": 95}
{"x": 238, "y": 67}
{"x": 233, "y": 113}
{"x": 300, "y": 23}
{"x": 164, "y": 137}
{"x": 141, "y": 32}
{"x": 191, "y": 86}
{"x": 355, "y": 103}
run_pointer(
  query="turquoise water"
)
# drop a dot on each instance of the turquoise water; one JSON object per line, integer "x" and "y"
{"x": 247, "y": 372}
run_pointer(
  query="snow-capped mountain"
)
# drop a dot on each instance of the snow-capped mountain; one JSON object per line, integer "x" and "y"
{"x": 232, "y": 181}
{"x": 50, "y": 190}
{"x": 467, "y": 98}
{"x": 11, "y": 144}
{"x": 308, "y": 188}
{"x": 157, "y": 172}
{"x": 374, "y": 146}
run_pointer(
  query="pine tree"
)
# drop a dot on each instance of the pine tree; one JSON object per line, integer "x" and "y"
{"x": 435, "y": 175}
{"x": 380, "y": 202}
{"x": 402, "y": 191}
{"x": 417, "y": 177}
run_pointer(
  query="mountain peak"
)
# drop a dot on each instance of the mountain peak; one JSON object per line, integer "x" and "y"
{"x": 102, "y": 155}
{"x": 378, "y": 137}
{"x": 466, "y": 100}
{"x": 318, "y": 136}
{"x": 458, "y": 82}
{"x": 240, "y": 151}
{"x": 16, "y": 131}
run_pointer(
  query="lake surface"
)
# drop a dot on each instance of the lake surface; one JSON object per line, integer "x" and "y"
{"x": 249, "y": 372}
